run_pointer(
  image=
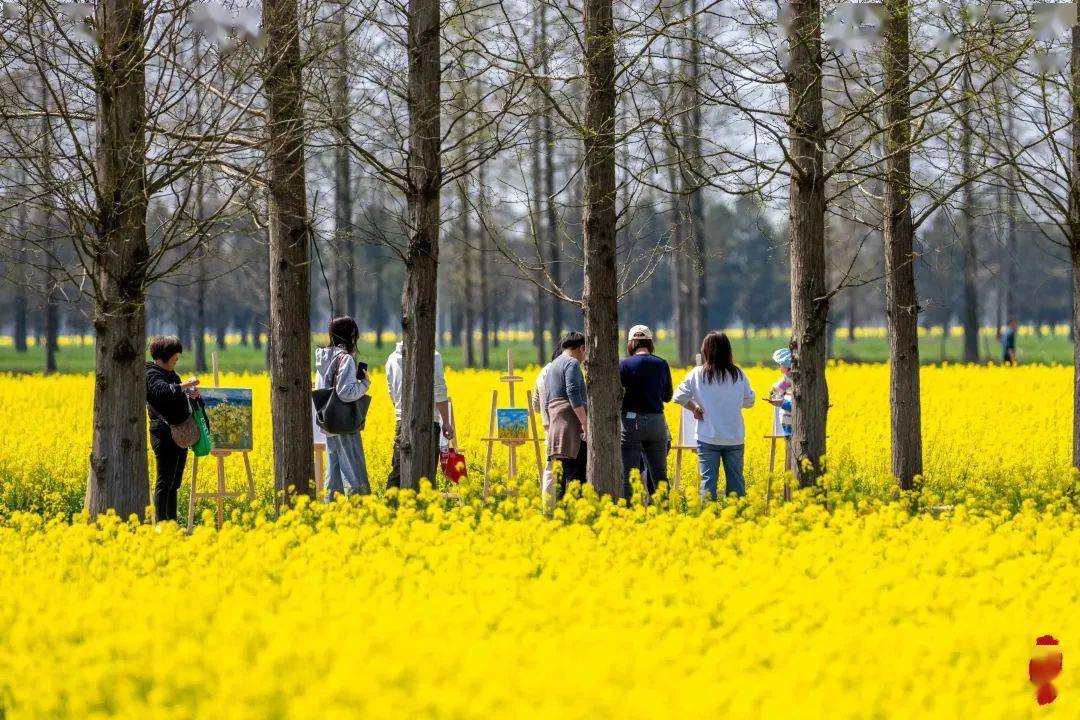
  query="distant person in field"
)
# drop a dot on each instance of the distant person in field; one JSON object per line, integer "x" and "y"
{"x": 646, "y": 381}
{"x": 568, "y": 411}
{"x": 1008, "y": 343}
{"x": 717, "y": 392}
{"x": 540, "y": 406}
{"x": 441, "y": 420}
{"x": 167, "y": 404}
{"x": 780, "y": 395}
{"x": 346, "y": 467}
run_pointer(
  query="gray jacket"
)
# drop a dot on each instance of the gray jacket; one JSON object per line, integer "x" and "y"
{"x": 348, "y": 387}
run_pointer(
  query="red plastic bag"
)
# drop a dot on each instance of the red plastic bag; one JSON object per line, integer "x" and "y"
{"x": 453, "y": 465}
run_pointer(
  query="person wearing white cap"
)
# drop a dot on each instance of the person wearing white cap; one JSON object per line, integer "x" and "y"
{"x": 646, "y": 381}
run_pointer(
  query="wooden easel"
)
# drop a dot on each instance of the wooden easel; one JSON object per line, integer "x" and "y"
{"x": 220, "y": 493}
{"x": 679, "y": 449}
{"x": 511, "y": 443}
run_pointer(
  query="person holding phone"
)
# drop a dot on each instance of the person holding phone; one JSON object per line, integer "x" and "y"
{"x": 346, "y": 466}
{"x": 167, "y": 404}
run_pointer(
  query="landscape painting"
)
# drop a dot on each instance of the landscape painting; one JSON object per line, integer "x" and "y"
{"x": 229, "y": 412}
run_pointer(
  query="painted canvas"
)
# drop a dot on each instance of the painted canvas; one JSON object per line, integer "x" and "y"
{"x": 513, "y": 423}
{"x": 229, "y": 412}
{"x": 689, "y": 430}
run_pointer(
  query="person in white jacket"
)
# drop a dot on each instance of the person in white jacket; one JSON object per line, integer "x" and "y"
{"x": 442, "y": 409}
{"x": 346, "y": 467}
{"x": 716, "y": 393}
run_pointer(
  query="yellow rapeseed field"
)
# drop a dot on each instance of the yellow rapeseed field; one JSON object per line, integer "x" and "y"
{"x": 993, "y": 435}
{"x": 856, "y": 605}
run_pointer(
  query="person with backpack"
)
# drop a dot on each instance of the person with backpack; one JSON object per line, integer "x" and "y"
{"x": 167, "y": 405}
{"x": 346, "y": 467}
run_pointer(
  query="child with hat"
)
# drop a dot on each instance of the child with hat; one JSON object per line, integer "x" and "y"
{"x": 780, "y": 394}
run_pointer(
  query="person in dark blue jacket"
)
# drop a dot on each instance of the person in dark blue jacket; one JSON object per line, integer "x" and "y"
{"x": 167, "y": 404}
{"x": 646, "y": 381}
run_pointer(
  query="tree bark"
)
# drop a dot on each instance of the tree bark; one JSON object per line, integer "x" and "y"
{"x": 970, "y": 311}
{"x": 809, "y": 294}
{"x": 344, "y": 301}
{"x": 901, "y": 297}
{"x": 551, "y": 226}
{"x": 485, "y": 304}
{"x": 290, "y": 284}
{"x": 696, "y": 203}
{"x": 418, "y": 303}
{"x": 118, "y": 469}
{"x": 1074, "y": 239}
{"x": 200, "y": 309}
{"x": 538, "y": 318}
{"x": 600, "y": 297}
{"x": 469, "y": 329}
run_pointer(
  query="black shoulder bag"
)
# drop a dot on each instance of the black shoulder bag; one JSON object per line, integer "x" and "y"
{"x": 334, "y": 415}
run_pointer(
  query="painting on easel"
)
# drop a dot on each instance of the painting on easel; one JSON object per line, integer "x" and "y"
{"x": 512, "y": 423}
{"x": 229, "y": 411}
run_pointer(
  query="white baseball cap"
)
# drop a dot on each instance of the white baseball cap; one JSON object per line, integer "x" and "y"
{"x": 640, "y": 332}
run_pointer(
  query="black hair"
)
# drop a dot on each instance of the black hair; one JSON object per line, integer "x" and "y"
{"x": 572, "y": 341}
{"x": 637, "y": 343}
{"x": 717, "y": 359}
{"x": 163, "y": 347}
{"x": 344, "y": 333}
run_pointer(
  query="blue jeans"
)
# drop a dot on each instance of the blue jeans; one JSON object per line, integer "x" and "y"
{"x": 346, "y": 469}
{"x": 709, "y": 459}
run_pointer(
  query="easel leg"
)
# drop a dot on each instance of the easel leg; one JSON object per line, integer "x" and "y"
{"x": 678, "y": 471}
{"x": 320, "y": 471}
{"x": 194, "y": 488}
{"x": 250, "y": 478}
{"x": 490, "y": 444}
{"x": 220, "y": 490}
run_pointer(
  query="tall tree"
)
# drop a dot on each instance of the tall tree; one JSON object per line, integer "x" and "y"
{"x": 418, "y": 443}
{"x": 601, "y": 291}
{"x": 970, "y": 309}
{"x": 118, "y": 468}
{"x": 1073, "y": 233}
{"x": 809, "y": 293}
{"x": 901, "y": 298}
{"x": 290, "y": 285}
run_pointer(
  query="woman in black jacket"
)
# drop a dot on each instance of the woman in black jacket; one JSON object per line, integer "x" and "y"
{"x": 167, "y": 404}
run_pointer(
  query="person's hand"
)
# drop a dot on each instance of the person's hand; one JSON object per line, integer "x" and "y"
{"x": 448, "y": 431}
{"x": 190, "y": 383}
{"x": 774, "y": 401}
{"x": 698, "y": 412}
{"x": 361, "y": 374}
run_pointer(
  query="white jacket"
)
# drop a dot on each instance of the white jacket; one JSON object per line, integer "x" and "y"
{"x": 348, "y": 387}
{"x": 722, "y": 402}
{"x": 393, "y": 381}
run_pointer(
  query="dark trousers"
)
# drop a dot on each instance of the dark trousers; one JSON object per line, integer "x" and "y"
{"x": 573, "y": 470}
{"x": 645, "y": 444}
{"x": 395, "y": 464}
{"x": 171, "y": 459}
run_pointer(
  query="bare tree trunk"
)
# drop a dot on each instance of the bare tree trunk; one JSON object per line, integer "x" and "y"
{"x": 118, "y": 470}
{"x": 539, "y": 319}
{"x": 19, "y": 322}
{"x": 485, "y": 305}
{"x": 343, "y": 199}
{"x": 418, "y": 444}
{"x": 290, "y": 283}
{"x": 680, "y": 281}
{"x": 469, "y": 300}
{"x": 600, "y": 297}
{"x": 901, "y": 297}
{"x": 1012, "y": 204}
{"x": 970, "y": 313}
{"x": 52, "y": 319}
{"x": 809, "y": 294}
{"x": 695, "y": 205}
{"x": 200, "y": 309}
{"x": 1074, "y": 239}
{"x": 554, "y": 242}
